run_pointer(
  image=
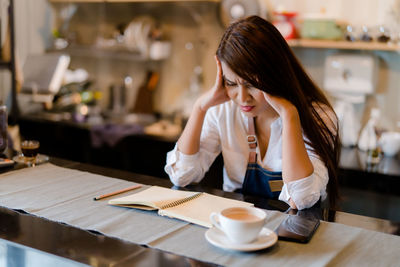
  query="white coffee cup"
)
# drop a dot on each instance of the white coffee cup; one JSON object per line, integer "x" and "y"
{"x": 240, "y": 225}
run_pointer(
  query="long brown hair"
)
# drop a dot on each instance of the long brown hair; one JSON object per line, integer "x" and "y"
{"x": 255, "y": 50}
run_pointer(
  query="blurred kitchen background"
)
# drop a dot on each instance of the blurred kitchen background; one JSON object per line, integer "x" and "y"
{"x": 177, "y": 39}
{"x": 190, "y": 32}
{"x": 99, "y": 81}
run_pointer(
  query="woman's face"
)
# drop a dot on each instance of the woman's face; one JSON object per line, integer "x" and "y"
{"x": 250, "y": 99}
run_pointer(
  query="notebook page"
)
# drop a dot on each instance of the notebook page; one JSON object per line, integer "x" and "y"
{"x": 153, "y": 197}
{"x": 198, "y": 210}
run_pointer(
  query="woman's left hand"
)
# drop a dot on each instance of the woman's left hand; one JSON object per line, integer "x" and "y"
{"x": 281, "y": 105}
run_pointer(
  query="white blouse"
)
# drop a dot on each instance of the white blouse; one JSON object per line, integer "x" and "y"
{"x": 225, "y": 129}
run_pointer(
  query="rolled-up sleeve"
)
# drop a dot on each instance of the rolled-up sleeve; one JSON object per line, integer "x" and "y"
{"x": 184, "y": 169}
{"x": 307, "y": 191}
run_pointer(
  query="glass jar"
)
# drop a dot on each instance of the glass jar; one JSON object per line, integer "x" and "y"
{"x": 3, "y": 128}
{"x": 350, "y": 34}
{"x": 384, "y": 35}
{"x": 365, "y": 35}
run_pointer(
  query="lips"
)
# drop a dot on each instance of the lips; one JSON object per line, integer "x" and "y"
{"x": 246, "y": 108}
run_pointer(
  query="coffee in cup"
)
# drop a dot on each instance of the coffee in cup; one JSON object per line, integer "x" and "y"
{"x": 30, "y": 148}
{"x": 240, "y": 225}
{"x": 242, "y": 216}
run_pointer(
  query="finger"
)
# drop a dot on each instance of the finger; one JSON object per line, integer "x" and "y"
{"x": 266, "y": 96}
{"x": 219, "y": 67}
{"x": 219, "y": 70}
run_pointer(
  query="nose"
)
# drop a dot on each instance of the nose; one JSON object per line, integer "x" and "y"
{"x": 243, "y": 95}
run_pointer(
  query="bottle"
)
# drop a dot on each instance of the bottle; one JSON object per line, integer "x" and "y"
{"x": 144, "y": 98}
{"x": 3, "y": 128}
{"x": 368, "y": 138}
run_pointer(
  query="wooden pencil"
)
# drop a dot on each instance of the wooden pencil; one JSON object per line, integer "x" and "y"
{"x": 118, "y": 192}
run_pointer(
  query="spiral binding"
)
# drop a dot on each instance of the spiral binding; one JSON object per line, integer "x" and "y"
{"x": 181, "y": 201}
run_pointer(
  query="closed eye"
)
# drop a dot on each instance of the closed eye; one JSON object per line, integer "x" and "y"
{"x": 228, "y": 82}
{"x": 248, "y": 85}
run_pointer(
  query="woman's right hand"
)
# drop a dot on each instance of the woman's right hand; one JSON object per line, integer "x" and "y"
{"x": 217, "y": 94}
{"x": 189, "y": 142}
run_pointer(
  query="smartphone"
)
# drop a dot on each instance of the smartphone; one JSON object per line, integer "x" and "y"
{"x": 297, "y": 229}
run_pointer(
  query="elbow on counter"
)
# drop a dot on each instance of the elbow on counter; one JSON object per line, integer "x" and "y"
{"x": 178, "y": 181}
{"x": 177, "y": 178}
{"x": 306, "y": 202}
{"x": 306, "y": 192}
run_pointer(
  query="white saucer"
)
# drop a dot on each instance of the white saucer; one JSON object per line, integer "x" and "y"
{"x": 265, "y": 239}
{"x": 40, "y": 158}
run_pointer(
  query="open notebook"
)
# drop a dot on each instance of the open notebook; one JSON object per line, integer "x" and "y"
{"x": 194, "y": 207}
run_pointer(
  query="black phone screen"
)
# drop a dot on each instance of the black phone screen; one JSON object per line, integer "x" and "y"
{"x": 296, "y": 228}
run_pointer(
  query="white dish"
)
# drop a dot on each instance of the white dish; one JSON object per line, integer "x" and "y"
{"x": 265, "y": 239}
{"x": 40, "y": 158}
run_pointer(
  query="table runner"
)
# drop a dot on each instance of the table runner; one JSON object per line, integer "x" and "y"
{"x": 66, "y": 195}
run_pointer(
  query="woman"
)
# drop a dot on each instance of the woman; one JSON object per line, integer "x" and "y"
{"x": 275, "y": 128}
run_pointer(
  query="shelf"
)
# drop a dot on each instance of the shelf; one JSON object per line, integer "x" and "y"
{"x": 309, "y": 43}
{"x": 102, "y": 53}
{"x": 127, "y": 1}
